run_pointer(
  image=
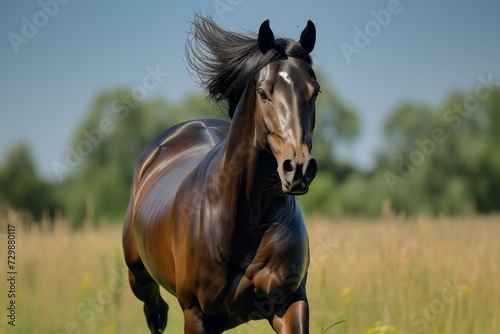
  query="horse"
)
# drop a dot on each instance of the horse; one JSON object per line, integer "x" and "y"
{"x": 213, "y": 216}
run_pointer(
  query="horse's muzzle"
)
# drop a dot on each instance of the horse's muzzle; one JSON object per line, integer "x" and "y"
{"x": 298, "y": 176}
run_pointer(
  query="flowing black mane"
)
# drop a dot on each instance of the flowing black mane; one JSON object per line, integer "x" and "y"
{"x": 225, "y": 62}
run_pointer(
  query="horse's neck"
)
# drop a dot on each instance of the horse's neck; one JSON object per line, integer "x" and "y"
{"x": 251, "y": 170}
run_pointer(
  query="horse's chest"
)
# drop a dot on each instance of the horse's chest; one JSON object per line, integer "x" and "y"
{"x": 269, "y": 268}
{"x": 277, "y": 266}
{"x": 282, "y": 269}
{"x": 264, "y": 277}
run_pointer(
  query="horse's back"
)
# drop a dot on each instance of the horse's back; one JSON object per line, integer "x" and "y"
{"x": 189, "y": 140}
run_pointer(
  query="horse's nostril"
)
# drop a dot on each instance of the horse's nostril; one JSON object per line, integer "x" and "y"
{"x": 287, "y": 165}
{"x": 312, "y": 169}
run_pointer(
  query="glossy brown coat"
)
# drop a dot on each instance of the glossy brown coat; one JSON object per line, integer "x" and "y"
{"x": 212, "y": 216}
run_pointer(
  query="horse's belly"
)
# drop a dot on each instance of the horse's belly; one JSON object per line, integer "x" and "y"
{"x": 155, "y": 228}
{"x": 154, "y": 246}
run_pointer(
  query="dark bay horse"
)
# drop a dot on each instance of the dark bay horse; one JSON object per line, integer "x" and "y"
{"x": 213, "y": 216}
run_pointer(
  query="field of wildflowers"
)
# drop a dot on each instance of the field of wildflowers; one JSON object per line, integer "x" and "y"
{"x": 385, "y": 275}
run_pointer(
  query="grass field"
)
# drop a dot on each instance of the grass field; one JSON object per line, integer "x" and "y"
{"x": 387, "y": 275}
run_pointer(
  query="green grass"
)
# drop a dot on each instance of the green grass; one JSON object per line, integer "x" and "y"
{"x": 388, "y": 275}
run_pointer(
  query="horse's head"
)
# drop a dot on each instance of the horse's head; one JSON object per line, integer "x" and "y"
{"x": 285, "y": 95}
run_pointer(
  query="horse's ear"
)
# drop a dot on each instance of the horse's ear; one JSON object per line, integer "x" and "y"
{"x": 308, "y": 37}
{"x": 266, "y": 37}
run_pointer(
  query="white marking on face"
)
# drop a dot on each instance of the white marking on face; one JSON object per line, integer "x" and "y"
{"x": 285, "y": 77}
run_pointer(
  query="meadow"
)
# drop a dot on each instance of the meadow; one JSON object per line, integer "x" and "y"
{"x": 386, "y": 275}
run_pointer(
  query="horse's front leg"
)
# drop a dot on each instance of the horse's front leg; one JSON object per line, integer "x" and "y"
{"x": 293, "y": 316}
{"x": 193, "y": 321}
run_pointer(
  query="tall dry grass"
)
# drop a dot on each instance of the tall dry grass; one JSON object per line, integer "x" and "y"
{"x": 387, "y": 275}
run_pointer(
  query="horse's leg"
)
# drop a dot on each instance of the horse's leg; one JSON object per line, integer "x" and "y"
{"x": 147, "y": 290}
{"x": 293, "y": 316}
{"x": 143, "y": 285}
{"x": 193, "y": 321}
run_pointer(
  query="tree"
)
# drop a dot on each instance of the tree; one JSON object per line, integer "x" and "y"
{"x": 21, "y": 187}
{"x": 446, "y": 160}
{"x": 336, "y": 123}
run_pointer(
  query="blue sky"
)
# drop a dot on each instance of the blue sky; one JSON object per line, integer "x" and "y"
{"x": 424, "y": 51}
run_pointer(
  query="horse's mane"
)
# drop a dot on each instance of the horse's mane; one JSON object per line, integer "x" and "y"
{"x": 225, "y": 62}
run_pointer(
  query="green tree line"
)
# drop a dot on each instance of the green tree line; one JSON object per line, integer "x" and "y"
{"x": 434, "y": 160}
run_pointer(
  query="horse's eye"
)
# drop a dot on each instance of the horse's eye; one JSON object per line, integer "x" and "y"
{"x": 263, "y": 95}
{"x": 316, "y": 93}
